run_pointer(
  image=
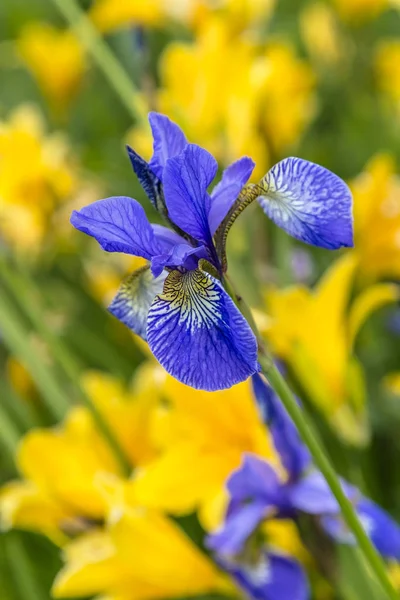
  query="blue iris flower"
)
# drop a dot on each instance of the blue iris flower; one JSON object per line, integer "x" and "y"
{"x": 257, "y": 492}
{"x": 178, "y": 302}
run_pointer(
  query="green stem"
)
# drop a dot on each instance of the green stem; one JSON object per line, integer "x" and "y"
{"x": 104, "y": 57}
{"x": 16, "y": 338}
{"x": 322, "y": 461}
{"x": 21, "y": 568}
{"x": 20, "y": 284}
{"x": 9, "y": 435}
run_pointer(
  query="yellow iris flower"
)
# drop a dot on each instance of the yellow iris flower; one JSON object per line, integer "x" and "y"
{"x": 56, "y": 60}
{"x": 387, "y": 68}
{"x": 108, "y": 15}
{"x": 313, "y": 331}
{"x": 377, "y": 209}
{"x": 140, "y": 554}
{"x": 35, "y": 176}
{"x": 359, "y": 11}
{"x": 62, "y": 467}
{"x": 205, "y": 436}
{"x": 252, "y": 99}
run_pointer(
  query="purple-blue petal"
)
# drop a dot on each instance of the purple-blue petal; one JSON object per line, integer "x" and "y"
{"x": 186, "y": 179}
{"x": 309, "y": 202}
{"x": 132, "y": 303}
{"x": 271, "y": 577}
{"x": 381, "y": 528}
{"x": 198, "y": 335}
{"x": 312, "y": 495}
{"x": 294, "y": 454}
{"x": 147, "y": 178}
{"x": 167, "y": 237}
{"x": 168, "y": 141}
{"x": 180, "y": 255}
{"x": 383, "y": 531}
{"x": 227, "y": 190}
{"x": 254, "y": 479}
{"x": 119, "y": 224}
{"x": 231, "y": 537}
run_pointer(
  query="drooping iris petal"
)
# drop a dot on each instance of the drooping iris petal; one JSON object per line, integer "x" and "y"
{"x": 180, "y": 255}
{"x": 168, "y": 141}
{"x": 227, "y": 190}
{"x": 309, "y": 202}
{"x": 231, "y": 538}
{"x": 294, "y": 454}
{"x": 132, "y": 303}
{"x": 198, "y": 335}
{"x": 255, "y": 479}
{"x": 380, "y": 527}
{"x": 312, "y": 495}
{"x": 147, "y": 179}
{"x": 272, "y": 577}
{"x": 186, "y": 179}
{"x": 119, "y": 224}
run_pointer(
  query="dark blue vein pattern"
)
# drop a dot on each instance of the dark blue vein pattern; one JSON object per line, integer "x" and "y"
{"x": 309, "y": 202}
{"x": 147, "y": 178}
{"x": 198, "y": 335}
{"x": 132, "y": 303}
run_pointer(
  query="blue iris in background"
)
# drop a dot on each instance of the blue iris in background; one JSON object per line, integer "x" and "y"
{"x": 178, "y": 302}
{"x": 257, "y": 492}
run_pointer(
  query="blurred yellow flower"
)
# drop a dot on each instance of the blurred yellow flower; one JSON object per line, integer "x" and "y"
{"x": 377, "y": 218}
{"x": 35, "y": 176}
{"x": 234, "y": 96}
{"x": 320, "y": 32}
{"x": 387, "y": 67}
{"x": 359, "y": 11}
{"x": 108, "y": 15}
{"x": 206, "y": 435}
{"x": 55, "y": 58}
{"x": 62, "y": 467}
{"x": 313, "y": 331}
{"x": 140, "y": 554}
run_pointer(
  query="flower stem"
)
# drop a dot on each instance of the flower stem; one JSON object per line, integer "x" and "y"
{"x": 21, "y": 568}
{"x": 9, "y": 434}
{"x": 16, "y": 338}
{"x": 322, "y": 461}
{"x": 21, "y": 286}
{"x": 104, "y": 57}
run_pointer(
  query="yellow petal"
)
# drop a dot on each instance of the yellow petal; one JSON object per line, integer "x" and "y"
{"x": 367, "y": 302}
{"x": 64, "y": 462}
{"x": 24, "y": 506}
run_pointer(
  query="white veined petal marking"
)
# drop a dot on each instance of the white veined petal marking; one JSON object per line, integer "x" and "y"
{"x": 198, "y": 335}
{"x": 194, "y": 296}
{"x": 309, "y": 202}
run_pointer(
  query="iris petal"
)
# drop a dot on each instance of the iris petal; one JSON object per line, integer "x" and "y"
{"x": 180, "y": 255}
{"x": 198, "y": 335}
{"x": 294, "y": 454}
{"x": 147, "y": 179}
{"x": 169, "y": 141}
{"x": 380, "y": 527}
{"x": 231, "y": 538}
{"x": 273, "y": 577}
{"x": 227, "y": 190}
{"x": 132, "y": 303}
{"x": 186, "y": 179}
{"x": 255, "y": 479}
{"x": 119, "y": 224}
{"x": 309, "y": 202}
